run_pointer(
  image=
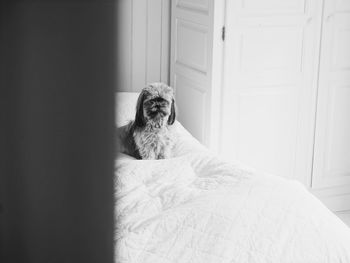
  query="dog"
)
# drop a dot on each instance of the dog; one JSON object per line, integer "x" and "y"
{"x": 149, "y": 136}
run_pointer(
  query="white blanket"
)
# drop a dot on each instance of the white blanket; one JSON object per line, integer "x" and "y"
{"x": 197, "y": 208}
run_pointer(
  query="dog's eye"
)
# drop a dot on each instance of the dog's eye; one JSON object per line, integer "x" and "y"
{"x": 149, "y": 103}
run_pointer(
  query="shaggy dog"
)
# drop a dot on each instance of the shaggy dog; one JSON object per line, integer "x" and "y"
{"x": 149, "y": 136}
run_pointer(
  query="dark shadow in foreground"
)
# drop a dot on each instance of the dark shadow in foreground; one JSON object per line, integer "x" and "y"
{"x": 57, "y": 98}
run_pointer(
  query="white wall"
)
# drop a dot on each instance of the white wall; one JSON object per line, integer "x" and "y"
{"x": 143, "y": 43}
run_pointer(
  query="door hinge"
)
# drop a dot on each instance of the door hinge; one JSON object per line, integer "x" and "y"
{"x": 223, "y": 33}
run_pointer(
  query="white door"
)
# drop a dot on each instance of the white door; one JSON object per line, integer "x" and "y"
{"x": 271, "y": 59}
{"x": 332, "y": 138}
{"x": 196, "y": 53}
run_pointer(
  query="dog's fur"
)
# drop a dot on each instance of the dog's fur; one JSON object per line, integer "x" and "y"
{"x": 149, "y": 136}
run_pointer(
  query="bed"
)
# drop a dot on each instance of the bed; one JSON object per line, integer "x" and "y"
{"x": 197, "y": 208}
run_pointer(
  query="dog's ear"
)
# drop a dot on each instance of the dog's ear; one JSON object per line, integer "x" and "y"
{"x": 140, "y": 120}
{"x": 172, "y": 116}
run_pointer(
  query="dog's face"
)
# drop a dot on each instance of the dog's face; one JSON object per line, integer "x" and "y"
{"x": 155, "y": 105}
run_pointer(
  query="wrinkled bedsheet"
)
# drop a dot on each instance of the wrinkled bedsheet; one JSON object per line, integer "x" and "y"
{"x": 197, "y": 208}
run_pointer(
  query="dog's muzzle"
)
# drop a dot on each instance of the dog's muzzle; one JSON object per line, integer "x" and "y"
{"x": 158, "y": 112}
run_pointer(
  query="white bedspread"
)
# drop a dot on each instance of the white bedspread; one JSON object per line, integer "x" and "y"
{"x": 197, "y": 208}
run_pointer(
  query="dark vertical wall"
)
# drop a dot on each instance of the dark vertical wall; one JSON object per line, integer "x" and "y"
{"x": 57, "y": 85}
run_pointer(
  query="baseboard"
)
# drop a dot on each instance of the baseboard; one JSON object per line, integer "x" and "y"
{"x": 344, "y": 216}
{"x": 336, "y": 198}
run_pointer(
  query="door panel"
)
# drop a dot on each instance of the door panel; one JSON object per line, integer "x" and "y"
{"x": 195, "y": 64}
{"x": 190, "y": 93}
{"x": 275, "y": 120}
{"x": 332, "y": 141}
{"x": 260, "y": 50}
{"x": 192, "y": 46}
{"x": 272, "y": 6}
{"x": 194, "y": 5}
{"x": 270, "y": 84}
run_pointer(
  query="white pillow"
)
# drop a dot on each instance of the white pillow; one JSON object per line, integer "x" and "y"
{"x": 125, "y": 107}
